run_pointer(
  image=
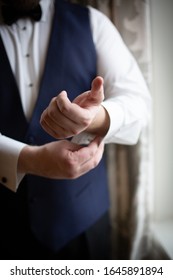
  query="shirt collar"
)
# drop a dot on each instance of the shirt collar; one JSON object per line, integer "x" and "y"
{"x": 46, "y": 6}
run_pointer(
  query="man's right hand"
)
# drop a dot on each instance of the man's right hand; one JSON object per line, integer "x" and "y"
{"x": 63, "y": 118}
{"x": 60, "y": 159}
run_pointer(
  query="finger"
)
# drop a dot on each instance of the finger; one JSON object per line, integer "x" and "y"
{"x": 97, "y": 83}
{"x": 61, "y": 127}
{"x": 87, "y": 153}
{"x": 72, "y": 111}
{"x": 60, "y": 132}
{"x": 95, "y": 145}
{"x": 55, "y": 108}
{"x": 92, "y": 97}
{"x": 96, "y": 95}
{"x": 91, "y": 162}
{"x": 48, "y": 120}
{"x": 56, "y": 123}
{"x": 55, "y": 131}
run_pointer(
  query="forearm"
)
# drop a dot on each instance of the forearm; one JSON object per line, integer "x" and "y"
{"x": 29, "y": 160}
{"x": 41, "y": 160}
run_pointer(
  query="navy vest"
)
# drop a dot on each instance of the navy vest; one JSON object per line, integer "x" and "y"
{"x": 54, "y": 210}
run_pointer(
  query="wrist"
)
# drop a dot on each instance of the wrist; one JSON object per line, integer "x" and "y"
{"x": 28, "y": 160}
{"x": 100, "y": 124}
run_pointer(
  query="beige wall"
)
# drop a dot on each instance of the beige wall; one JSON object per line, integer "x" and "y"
{"x": 162, "y": 90}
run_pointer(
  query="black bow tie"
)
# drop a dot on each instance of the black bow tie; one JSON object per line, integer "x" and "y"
{"x": 10, "y": 15}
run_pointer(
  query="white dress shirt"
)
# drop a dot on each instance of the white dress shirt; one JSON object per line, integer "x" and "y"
{"x": 127, "y": 99}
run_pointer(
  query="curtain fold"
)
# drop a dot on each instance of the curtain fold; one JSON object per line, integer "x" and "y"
{"x": 130, "y": 167}
{"x": 132, "y": 19}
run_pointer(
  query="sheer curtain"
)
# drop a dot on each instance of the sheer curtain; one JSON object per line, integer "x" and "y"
{"x": 130, "y": 167}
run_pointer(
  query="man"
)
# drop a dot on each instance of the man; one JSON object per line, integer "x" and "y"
{"x": 54, "y": 197}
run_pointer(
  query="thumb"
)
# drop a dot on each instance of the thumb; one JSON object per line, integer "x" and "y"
{"x": 96, "y": 94}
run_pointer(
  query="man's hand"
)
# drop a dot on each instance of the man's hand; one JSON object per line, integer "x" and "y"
{"x": 60, "y": 159}
{"x": 63, "y": 118}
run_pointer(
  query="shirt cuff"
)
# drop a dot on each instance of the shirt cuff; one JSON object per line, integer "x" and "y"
{"x": 116, "y": 115}
{"x": 9, "y": 154}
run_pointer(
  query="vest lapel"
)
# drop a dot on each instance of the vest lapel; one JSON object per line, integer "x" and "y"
{"x": 49, "y": 86}
{"x": 68, "y": 66}
{"x": 10, "y": 100}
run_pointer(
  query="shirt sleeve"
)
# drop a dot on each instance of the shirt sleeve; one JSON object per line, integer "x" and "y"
{"x": 127, "y": 98}
{"x": 9, "y": 153}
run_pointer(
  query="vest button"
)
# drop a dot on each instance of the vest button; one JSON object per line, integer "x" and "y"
{"x": 33, "y": 200}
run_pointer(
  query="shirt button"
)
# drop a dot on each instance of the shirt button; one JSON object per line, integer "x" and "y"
{"x": 24, "y": 28}
{"x": 33, "y": 200}
{"x": 30, "y": 85}
{"x": 27, "y": 55}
